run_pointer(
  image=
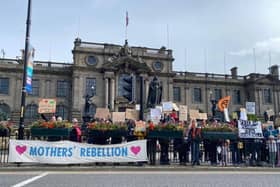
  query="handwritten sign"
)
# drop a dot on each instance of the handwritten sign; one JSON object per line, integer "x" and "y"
{"x": 167, "y": 106}
{"x": 131, "y": 114}
{"x": 202, "y": 116}
{"x": 155, "y": 115}
{"x": 102, "y": 113}
{"x": 118, "y": 117}
{"x": 140, "y": 126}
{"x": 251, "y": 107}
{"x": 183, "y": 112}
{"x": 249, "y": 129}
{"x": 47, "y": 106}
{"x": 194, "y": 114}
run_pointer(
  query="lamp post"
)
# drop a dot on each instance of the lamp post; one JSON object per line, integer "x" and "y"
{"x": 23, "y": 91}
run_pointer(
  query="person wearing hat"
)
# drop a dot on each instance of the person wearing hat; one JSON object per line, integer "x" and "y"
{"x": 272, "y": 148}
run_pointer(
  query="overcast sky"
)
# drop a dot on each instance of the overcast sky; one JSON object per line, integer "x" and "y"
{"x": 205, "y": 35}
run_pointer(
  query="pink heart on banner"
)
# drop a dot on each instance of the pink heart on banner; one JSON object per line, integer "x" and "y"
{"x": 135, "y": 149}
{"x": 20, "y": 149}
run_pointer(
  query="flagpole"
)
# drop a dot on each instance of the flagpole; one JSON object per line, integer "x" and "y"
{"x": 126, "y": 24}
{"x": 23, "y": 91}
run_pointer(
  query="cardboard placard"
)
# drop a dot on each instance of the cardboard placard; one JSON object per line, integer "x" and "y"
{"x": 47, "y": 106}
{"x": 183, "y": 112}
{"x": 202, "y": 116}
{"x": 167, "y": 106}
{"x": 102, "y": 113}
{"x": 194, "y": 114}
{"x": 155, "y": 115}
{"x": 131, "y": 114}
{"x": 118, "y": 117}
{"x": 140, "y": 126}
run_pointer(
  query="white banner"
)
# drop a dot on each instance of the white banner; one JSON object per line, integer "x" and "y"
{"x": 249, "y": 129}
{"x": 66, "y": 152}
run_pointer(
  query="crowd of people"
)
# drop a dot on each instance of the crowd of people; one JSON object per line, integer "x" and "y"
{"x": 192, "y": 147}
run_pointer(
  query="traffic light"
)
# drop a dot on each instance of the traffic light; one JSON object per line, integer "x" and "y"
{"x": 128, "y": 87}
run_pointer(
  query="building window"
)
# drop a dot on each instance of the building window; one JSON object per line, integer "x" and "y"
{"x": 177, "y": 94}
{"x": 4, "y": 86}
{"x": 62, "y": 88}
{"x": 267, "y": 96}
{"x": 4, "y": 112}
{"x": 91, "y": 86}
{"x": 61, "y": 111}
{"x": 31, "y": 112}
{"x": 35, "y": 88}
{"x": 236, "y": 97}
{"x": 217, "y": 94}
{"x": 197, "y": 95}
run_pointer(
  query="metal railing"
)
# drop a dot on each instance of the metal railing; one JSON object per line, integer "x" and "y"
{"x": 246, "y": 152}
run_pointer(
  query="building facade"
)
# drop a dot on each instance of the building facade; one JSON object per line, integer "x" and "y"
{"x": 110, "y": 76}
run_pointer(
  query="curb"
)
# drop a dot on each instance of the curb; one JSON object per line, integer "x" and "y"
{"x": 136, "y": 168}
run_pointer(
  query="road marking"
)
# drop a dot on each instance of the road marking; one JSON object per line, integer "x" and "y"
{"x": 23, "y": 183}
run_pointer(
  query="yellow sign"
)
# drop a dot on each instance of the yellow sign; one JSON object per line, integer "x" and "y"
{"x": 223, "y": 103}
{"x": 47, "y": 106}
{"x": 131, "y": 114}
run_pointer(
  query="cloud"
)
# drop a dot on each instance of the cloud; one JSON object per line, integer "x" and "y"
{"x": 261, "y": 47}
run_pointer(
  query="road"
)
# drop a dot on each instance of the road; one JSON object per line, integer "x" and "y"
{"x": 140, "y": 178}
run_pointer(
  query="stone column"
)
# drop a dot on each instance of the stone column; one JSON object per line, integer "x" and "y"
{"x": 106, "y": 92}
{"x": 112, "y": 102}
{"x": 75, "y": 93}
{"x": 186, "y": 95}
{"x": 170, "y": 89}
{"x": 147, "y": 85}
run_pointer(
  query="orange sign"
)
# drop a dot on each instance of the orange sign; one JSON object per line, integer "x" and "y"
{"x": 223, "y": 103}
{"x": 47, "y": 106}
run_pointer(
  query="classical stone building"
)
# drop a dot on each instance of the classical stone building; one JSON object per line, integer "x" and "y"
{"x": 110, "y": 75}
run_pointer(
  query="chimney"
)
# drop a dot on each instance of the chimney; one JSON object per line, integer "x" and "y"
{"x": 22, "y": 54}
{"x": 234, "y": 72}
{"x": 274, "y": 71}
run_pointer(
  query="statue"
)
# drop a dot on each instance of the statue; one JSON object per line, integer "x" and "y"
{"x": 155, "y": 92}
{"x": 214, "y": 107}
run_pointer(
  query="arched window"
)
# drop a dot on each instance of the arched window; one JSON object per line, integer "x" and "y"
{"x": 31, "y": 112}
{"x": 4, "y": 112}
{"x": 62, "y": 111}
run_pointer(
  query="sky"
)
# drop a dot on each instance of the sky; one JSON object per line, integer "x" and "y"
{"x": 205, "y": 35}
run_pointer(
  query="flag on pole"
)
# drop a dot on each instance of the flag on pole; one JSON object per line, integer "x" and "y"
{"x": 126, "y": 19}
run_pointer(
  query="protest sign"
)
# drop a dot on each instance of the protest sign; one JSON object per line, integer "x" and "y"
{"x": 131, "y": 114}
{"x": 102, "y": 113}
{"x": 251, "y": 107}
{"x": 118, "y": 117}
{"x": 67, "y": 152}
{"x": 249, "y": 129}
{"x": 194, "y": 114}
{"x": 155, "y": 115}
{"x": 167, "y": 106}
{"x": 223, "y": 103}
{"x": 183, "y": 112}
{"x": 47, "y": 106}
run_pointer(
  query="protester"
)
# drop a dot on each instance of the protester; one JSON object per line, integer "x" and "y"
{"x": 76, "y": 133}
{"x": 225, "y": 153}
{"x": 272, "y": 147}
{"x": 195, "y": 134}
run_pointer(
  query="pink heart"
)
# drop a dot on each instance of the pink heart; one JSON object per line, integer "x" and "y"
{"x": 20, "y": 149}
{"x": 135, "y": 150}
